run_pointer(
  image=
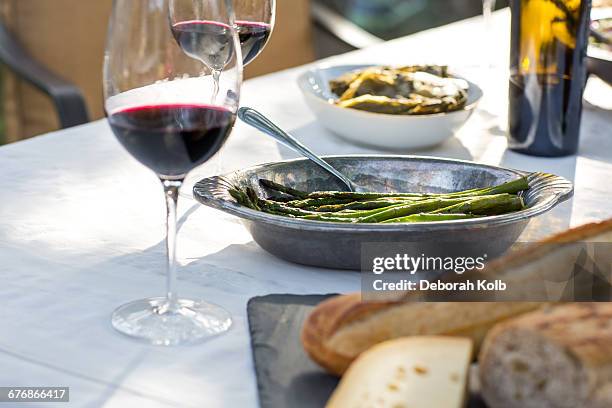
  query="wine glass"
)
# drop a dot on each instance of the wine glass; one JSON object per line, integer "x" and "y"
{"x": 172, "y": 112}
{"x": 488, "y": 6}
{"x": 195, "y": 27}
{"x": 254, "y": 23}
{"x": 488, "y": 72}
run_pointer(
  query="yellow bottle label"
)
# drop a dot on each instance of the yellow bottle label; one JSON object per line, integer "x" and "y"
{"x": 545, "y": 26}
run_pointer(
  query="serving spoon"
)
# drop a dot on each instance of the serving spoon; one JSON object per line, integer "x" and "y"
{"x": 257, "y": 120}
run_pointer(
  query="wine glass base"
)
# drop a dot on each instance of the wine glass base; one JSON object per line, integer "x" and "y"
{"x": 152, "y": 321}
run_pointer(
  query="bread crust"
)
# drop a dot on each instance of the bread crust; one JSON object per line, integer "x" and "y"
{"x": 345, "y": 315}
{"x": 342, "y": 327}
{"x": 326, "y": 319}
{"x": 585, "y": 232}
{"x": 580, "y": 333}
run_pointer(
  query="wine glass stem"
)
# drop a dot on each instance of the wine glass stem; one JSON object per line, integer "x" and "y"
{"x": 171, "y": 192}
{"x": 216, "y": 75}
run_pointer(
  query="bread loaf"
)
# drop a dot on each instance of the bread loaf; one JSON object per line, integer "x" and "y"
{"x": 554, "y": 260}
{"x": 557, "y": 357}
{"x": 341, "y": 328}
{"x": 413, "y": 372}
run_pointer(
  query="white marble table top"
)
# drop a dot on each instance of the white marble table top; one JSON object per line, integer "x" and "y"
{"x": 81, "y": 232}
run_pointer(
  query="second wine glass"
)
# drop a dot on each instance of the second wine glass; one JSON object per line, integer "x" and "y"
{"x": 196, "y": 28}
{"x": 254, "y": 22}
{"x": 202, "y": 35}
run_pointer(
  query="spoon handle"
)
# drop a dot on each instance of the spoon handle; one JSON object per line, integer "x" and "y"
{"x": 253, "y": 118}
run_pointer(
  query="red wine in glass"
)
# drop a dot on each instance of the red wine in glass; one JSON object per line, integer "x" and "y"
{"x": 253, "y": 38}
{"x": 210, "y": 41}
{"x": 172, "y": 139}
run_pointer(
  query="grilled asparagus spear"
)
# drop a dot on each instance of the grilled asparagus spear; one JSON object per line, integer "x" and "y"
{"x": 339, "y": 206}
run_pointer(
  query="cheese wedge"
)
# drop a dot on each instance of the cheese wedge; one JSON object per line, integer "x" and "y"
{"x": 410, "y": 372}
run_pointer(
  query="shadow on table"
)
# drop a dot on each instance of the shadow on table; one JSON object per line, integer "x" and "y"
{"x": 247, "y": 269}
{"x": 226, "y": 277}
{"x": 496, "y": 130}
{"x": 237, "y": 270}
{"x": 115, "y": 385}
{"x": 323, "y": 142}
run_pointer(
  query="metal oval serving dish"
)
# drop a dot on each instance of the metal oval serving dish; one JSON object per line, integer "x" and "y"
{"x": 338, "y": 245}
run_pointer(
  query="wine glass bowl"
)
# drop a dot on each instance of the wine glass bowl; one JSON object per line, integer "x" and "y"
{"x": 200, "y": 33}
{"x": 254, "y": 23}
{"x": 196, "y": 30}
{"x": 171, "y": 99}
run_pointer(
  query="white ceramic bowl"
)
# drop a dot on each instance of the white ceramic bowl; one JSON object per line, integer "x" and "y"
{"x": 377, "y": 129}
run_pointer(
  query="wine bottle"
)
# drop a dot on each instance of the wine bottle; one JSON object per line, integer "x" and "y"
{"x": 547, "y": 75}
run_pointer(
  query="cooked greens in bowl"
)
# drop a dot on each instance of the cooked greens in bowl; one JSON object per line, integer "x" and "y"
{"x": 378, "y": 127}
{"x": 408, "y": 90}
{"x": 374, "y": 207}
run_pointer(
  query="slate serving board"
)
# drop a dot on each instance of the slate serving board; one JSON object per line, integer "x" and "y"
{"x": 286, "y": 377}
